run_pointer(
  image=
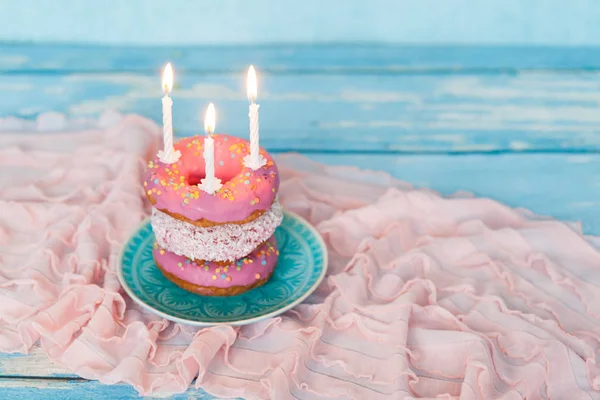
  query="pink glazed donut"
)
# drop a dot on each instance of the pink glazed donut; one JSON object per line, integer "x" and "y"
{"x": 209, "y": 278}
{"x": 226, "y": 225}
{"x": 246, "y": 194}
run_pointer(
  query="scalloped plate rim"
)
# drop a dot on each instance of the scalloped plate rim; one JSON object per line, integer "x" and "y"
{"x": 240, "y": 322}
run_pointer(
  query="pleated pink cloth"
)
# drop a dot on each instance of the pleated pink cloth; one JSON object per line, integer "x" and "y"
{"x": 425, "y": 296}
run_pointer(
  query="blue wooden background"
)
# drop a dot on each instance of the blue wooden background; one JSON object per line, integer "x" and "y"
{"x": 496, "y": 98}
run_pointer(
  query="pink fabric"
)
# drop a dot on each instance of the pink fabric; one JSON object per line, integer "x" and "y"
{"x": 426, "y": 296}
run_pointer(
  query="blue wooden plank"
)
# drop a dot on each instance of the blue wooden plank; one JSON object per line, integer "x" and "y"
{"x": 34, "y": 364}
{"x": 42, "y": 389}
{"x": 234, "y": 21}
{"x": 528, "y": 112}
{"x": 372, "y": 58}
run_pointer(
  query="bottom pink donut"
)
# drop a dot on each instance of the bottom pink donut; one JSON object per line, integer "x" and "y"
{"x": 217, "y": 278}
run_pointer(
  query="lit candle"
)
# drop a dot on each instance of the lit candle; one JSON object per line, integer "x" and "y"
{"x": 254, "y": 160}
{"x": 210, "y": 183}
{"x": 168, "y": 154}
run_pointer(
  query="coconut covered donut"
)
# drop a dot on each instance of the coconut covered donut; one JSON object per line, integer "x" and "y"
{"x": 200, "y": 229}
{"x": 225, "y": 242}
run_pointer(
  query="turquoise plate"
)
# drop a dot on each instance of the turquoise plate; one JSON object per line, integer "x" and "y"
{"x": 301, "y": 267}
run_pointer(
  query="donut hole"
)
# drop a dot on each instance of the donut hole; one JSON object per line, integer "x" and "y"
{"x": 194, "y": 179}
{"x": 225, "y": 173}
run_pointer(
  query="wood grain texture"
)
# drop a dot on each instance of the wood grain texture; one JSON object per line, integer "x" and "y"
{"x": 33, "y": 364}
{"x": 367, "y": 58}
{"x": 527, "y": 112}
{"x": 81, "y": 389}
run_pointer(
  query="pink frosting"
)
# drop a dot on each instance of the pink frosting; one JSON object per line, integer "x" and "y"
{"x": 257, "y": 265}
{"x": 244, "y": 191}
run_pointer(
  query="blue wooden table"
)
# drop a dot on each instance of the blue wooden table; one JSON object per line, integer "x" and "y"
{"x": 518, "y": 124}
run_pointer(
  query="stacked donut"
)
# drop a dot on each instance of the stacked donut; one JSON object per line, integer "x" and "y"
{"x": 219, "y": 244}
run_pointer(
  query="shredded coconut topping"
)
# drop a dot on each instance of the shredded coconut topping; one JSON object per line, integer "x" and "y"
{"x": 228, "y": 242}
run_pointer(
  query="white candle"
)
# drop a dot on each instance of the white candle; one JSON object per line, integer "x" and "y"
{"x": 254, "y": 160}
{"x": 253, "y": 115}
{"x": 209, "y": 157}
{"x": 168, "y": 155}
{"x": 210, "y": 183}
{"x": 167, "y": 105}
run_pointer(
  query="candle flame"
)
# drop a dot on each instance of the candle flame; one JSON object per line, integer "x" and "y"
{"x": 167, "y": 81}
{"x": 251, "y": 89}
{"x": 209, "y": 119}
